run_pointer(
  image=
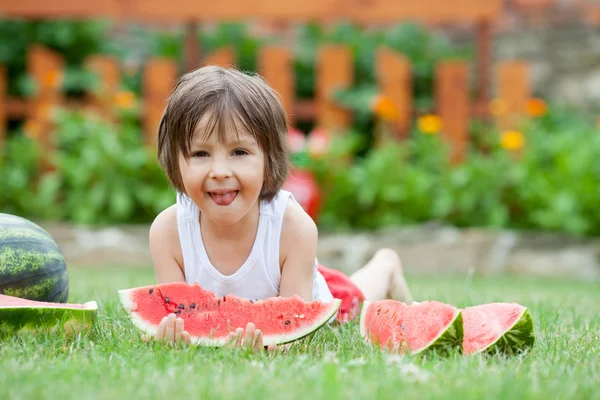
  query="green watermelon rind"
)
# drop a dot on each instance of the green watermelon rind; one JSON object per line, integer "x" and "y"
{"x": 450, "y": 338}
{"x": 27, "y": 318}
{"x": 519, "y": 337}
{"x": 150, "y": 329}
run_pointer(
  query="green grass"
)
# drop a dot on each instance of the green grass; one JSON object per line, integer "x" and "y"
{"x": 113, "y": 363}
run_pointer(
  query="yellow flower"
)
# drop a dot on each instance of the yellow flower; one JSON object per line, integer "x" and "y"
{"x": 512, "y": 140}
{"x": 384, "y": 108}
{"x": 498, "y": 107}
{"x": 536, "y": 107}
{"x": 125, "y": 99}
{"x": 52, "y": 79}
{"x": 430, "y": 124}
{"x": 32, "y": 129}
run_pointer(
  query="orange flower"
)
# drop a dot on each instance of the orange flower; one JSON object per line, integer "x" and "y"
{"x": 512, "y": 141}
{"x": 125, "y": 99}
{"x": 384, "y": 108}
{"x": 498, "y": 107}
{"x": 536, "y": 107}
{"x": 430, "y": 124}
{"x": 32, "y": 129}
{"x": 52, "y": 79}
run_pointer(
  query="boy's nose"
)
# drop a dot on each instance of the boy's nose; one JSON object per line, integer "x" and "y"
{"x": 219, "y": 169}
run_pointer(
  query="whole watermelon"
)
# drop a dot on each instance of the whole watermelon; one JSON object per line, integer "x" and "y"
{"x": 31, "y": 263}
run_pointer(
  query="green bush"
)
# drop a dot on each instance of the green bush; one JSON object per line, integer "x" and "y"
{"x": 101, "y": 174}
{"x": 552, "y": 184}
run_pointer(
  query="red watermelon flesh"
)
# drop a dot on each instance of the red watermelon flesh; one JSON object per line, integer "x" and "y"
{"x": 17, "y": 302}
{"x": 505, "y": 327}
{"x": 209, "y": 319}
{"x": 399, "y": 327}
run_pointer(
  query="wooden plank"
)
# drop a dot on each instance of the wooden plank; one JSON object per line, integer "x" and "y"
{"x": 452, "y": 103}
{"x": 513, "y": 91}
{"x": 184, "y": 10}
{"x": 62, "y": 8}
{"x": 102, "y": 99}
{"x": 431, "y": 11}
{"x": 224, "y": 57}
{"x": 394, "y": 76}
{"x": 275, "y": 65}
{"x": 3, "y": 104}
{"x": 334, "y": 71}
{"x": 46, "y": 69}
{"x": 159, "y": 80}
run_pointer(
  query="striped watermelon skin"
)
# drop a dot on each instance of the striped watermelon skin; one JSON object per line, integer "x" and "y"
{"x": 32, "y": 265}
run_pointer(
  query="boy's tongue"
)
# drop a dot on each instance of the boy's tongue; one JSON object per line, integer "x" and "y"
{"x": 224, "y": 199}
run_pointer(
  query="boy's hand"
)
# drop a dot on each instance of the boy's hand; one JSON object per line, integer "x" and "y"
{"x": 170, "y": 330}
{"x": 251, "y": 339}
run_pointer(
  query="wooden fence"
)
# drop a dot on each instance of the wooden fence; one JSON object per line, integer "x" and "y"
{"x": 334, "y": 70}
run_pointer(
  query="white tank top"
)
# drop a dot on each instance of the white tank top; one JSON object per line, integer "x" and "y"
{"x": 260, "y": 275}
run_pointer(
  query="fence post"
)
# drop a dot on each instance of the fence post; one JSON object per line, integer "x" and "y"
{"x": 224, "y": 57}
{"x": 452, "y": 103}
{"x": 3, "y": 104}
{"x": 334, "y": 71}
{"x": 275, "y": 65}
{"x": 159, "y": 79}
{"x": 46, "y": 69}
{"x": 513, "y": 93}
{"x": 102, "y": 99}
{"x": 395, "y": 82}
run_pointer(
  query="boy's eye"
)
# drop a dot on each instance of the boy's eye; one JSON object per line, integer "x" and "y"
{"x": 200, "y": 154}
{"x": 239, "y": 152}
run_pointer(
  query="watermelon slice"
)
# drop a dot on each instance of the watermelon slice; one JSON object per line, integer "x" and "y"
{"x": 497, "y": 327}
{"x": 209, "y": 319}
{"x": 414, "y": 329}
{"x": 18, "y": 314}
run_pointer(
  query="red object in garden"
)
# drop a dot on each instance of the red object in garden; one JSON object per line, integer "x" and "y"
{"x": 303, "y": 185}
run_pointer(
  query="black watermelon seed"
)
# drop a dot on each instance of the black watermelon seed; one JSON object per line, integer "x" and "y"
{"x": 181, "y": 306}
{"x": 193, "y": 305}
{"x": 219, "y": 302}
{"x": 252, "y": 301}
{"x": 167, "y": 300}
{"x": 287, "y": 322}
{"x": 177, "y": 312}
{"x": 150, "y": 290}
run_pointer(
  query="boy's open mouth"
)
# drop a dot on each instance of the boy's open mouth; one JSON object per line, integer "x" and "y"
{"x": 222, "y": 197}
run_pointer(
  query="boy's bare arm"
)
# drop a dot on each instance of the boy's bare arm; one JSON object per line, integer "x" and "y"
{"x": 298, "y": 249}
{"x": 165, "y": 248}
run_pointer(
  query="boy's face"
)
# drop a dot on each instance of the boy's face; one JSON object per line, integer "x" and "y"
{"x": 224, "y": 179}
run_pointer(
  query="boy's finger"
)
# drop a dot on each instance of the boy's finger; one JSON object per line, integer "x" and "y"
{"x": 272, "y": 348}
{"x": 187, "y": 339}
{"x": 249, "y": 336}
{"x": 239, "y": 335}
{"x": 160, "y": 332}
{"x": 178, "y": 329}
{"x": 258, "y": 340}
{"x": 170, "y": 334}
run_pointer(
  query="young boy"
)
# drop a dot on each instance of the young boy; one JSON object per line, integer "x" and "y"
{"x": 222, "y": 142}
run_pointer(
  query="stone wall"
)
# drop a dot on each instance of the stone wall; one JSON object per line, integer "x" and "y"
{"x": 426, "y": 249}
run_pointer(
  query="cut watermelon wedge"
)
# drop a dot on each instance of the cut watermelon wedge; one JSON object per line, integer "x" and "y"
{"x": 209, "y": 319}
{"x": 497, "y": 327}
{"x": 20, "y": 314}
{"x": 428, "y": 325}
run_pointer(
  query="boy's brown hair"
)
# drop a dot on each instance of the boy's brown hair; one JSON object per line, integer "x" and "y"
{"x": 225, "y": 99}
